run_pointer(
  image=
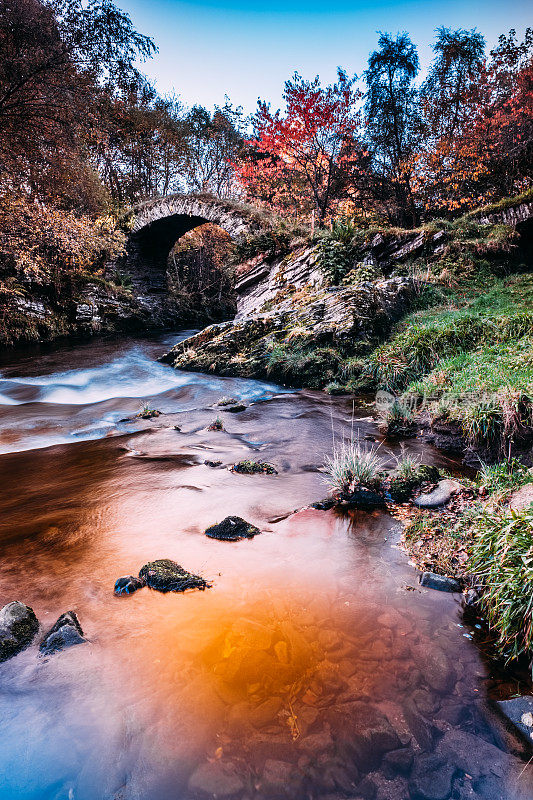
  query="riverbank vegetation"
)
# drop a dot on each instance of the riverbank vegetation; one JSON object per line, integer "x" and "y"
{"x": 485, "y": 541}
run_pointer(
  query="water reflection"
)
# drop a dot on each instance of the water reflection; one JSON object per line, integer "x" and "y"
{"x": 309, "y": 670}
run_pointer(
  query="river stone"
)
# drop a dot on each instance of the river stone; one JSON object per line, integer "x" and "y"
{"x": 397, "y": 762}
{"x": 370, "y": 735}
{"x": 216, "y": 779}
{"x": 65, "y": 632}
{"x": 128, "y": 584}
{"x": 431, "y": 778}
{"x": 276, "y": 774}
{"x": 18, "y": 626}
{"x": 440, "y": 495}
{"x": 232, "y": 529}
{"x": 422, "y": 731}
{"x": 519, "y": 712}
{"x": 166, "y": 575}
{"x": 439, "y": 582}
{"x": 365, "y": 499}
{"x": 522, "y": 498}
{"x": 475, "y": 756}
{"x": 235, "y": 409}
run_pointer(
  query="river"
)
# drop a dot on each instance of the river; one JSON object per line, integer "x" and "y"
{"x": 315, "y": 666}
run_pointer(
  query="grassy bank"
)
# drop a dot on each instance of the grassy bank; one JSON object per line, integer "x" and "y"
{"x": 468, "y": 360}
{"x": 486, "y": 544}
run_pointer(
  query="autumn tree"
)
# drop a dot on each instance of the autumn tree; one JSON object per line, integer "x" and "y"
{"x": 309, "y": 156}
{"x": 214, "y": 143}
{"x": 478, "y": 122}
{"x": 392, "y": 124}
{"x": 55, "y": 58}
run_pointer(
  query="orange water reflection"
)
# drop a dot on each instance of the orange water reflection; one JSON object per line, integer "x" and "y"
{"x": 294, "y": 675}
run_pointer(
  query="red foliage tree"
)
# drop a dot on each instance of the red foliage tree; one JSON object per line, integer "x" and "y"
{"x": 309, "y": 157}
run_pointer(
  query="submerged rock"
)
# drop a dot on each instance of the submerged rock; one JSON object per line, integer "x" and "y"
{"x": 18, "y": 626}
{"x": 440, "y": 495}
{"x": 365, "y": 499}
{"x": 431, "y": 778}
{"x": 439, "y": 582}
{"x": 232, "y": 529}
{"x": 128, "y": 584}
{"x": 519, "y": 712}
{"x": 166, "y": 575}
{"x": 65, "y": 632}
{"x": 216, "y": 780}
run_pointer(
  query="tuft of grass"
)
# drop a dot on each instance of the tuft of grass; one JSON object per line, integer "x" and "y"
{"x": 407, "y": 466}
{"x": 147, "y": 412}
{"x": 216, "y": 425}
{"x": 399, "y": 420}
{"x": 353, "y": 466}
{"x": 226, "y": 401}
{"x": 501, "y": 555}
{"x": 503, "y": 476}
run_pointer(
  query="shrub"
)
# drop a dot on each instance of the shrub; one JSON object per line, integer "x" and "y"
{"x": 270, "y": 243}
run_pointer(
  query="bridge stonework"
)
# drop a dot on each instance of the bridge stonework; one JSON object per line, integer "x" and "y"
{"x": 156, "y": 225}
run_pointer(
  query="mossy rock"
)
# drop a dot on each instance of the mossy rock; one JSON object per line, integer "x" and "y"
{"x": 231, "y": 529}
{"x": 401, "y": 489}
{"x": 254, "y": 468}
{"x": 429, "y": 473}
{"x": 166, "y": 575}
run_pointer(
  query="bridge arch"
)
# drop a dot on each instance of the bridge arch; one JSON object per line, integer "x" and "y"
{"x": 156, "y": 225}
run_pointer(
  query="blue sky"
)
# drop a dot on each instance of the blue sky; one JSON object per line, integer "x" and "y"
{"x": 247, "y": 49}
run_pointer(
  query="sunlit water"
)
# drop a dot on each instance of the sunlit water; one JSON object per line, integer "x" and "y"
{"x": 314, "y": 654}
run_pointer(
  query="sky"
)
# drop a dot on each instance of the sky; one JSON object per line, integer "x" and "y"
{"x": 246, "y": 49}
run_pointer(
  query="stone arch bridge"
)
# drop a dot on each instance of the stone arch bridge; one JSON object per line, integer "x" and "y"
{"x": 156, "y": 225}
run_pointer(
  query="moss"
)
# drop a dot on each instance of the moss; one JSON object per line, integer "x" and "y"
{"x": 248, "y": 467}
{"x": 166, "y": 575}
{"x": 231, "y": 529}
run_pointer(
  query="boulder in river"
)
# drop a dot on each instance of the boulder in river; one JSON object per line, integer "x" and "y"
{"x": 440, "y": 495}
{"x": 128, "y": 584}
{"x": 65, "y": 632}
{"x": 18, "y": 626}
{"x": 231, "y": 529}
{"x": 166, "y": 575}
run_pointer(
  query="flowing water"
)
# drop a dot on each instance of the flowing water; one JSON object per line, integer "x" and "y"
{"x": 315, "y": 666}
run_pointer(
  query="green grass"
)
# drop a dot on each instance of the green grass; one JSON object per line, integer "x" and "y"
{"x": 353, "y": 466}
{"x": 501, "y": 555}
{"x": 471, "y": 360}
{"x": 492, "y": 546}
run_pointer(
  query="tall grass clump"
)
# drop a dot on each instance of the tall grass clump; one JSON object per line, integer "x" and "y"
{"x": 353, "y": 466}
{"x": 503, "y": 476}
{"x": 502, "y": 557}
